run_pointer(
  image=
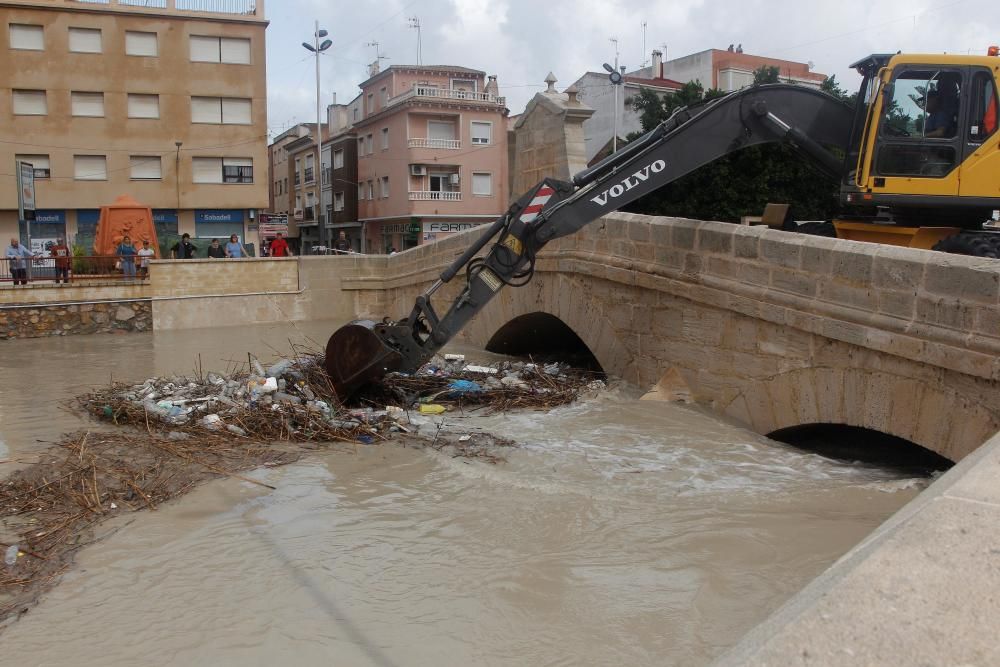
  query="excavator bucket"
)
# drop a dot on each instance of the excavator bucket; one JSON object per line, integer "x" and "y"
{"x": 356, "y": 356}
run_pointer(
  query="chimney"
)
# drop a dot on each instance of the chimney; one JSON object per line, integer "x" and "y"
{"x": 373, "y": 69}
{"x": 334, "y": 98}
{"x": 550, "y": 83}
{"x": 571, "y": 94}
{"x": 657, "y": 72}
{"x": 491, "y": 86}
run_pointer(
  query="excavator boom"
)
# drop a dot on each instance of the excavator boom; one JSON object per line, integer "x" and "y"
{"x": 816, "y": 123}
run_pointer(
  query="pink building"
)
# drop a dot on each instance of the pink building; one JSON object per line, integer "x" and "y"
{"x": 432, "y": 154}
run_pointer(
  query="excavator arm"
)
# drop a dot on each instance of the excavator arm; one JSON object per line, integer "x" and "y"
{"x": 814, "y": 122}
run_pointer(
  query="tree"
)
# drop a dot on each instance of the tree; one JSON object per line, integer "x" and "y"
{"x": 831, "y": 87}
{"x": 765, "y": 74}
{"x": 738, "y": 184}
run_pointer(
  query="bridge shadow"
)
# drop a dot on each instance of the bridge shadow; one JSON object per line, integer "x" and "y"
{"x": 855, "y": 443}
{"x": 545, "y": 338}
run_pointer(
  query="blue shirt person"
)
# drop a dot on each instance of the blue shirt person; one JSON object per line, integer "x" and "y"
{"x": 16, "y": 255}
{"x": 234, "y": 248}
{"x": 127, "y": 252}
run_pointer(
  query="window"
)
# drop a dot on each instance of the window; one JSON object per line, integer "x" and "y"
{"x": 370, "y": 144}
{"x": 385, "y": 187}
{"x": 383, "y": 96}
{"x": 222, "y": 170}
{"x": 371, "y": 190}
{"x": 40, "y": 163}
{"x": 371, "y": 104}
{"x": 338, "y": 159}
{"x": 338, "y": 201}
{"x": 140, "y": 44}
{"x": 237, "y": 170}
{"x": 983, "y": 112}
{"x": 220, "y": 110}
{"x": 437, "y": 129}
{"x": 30, "y": 103}
{"x": 27, "y": 37}
{"x": 145, "y": 168}
{"x": 90, "y": 167}
{"x": 482, "y": 132}
{"x": 84, "y": 40}
{"x": 310, "y": 175}
{"x": 385, "y": 138}
{"x": 357, "y": 111}
{"x": 87, "y": 104}
{"x": 361, "y": 191}
{"x": 361, "y": 145}
{"x": 143, "y": 106}
{"x": 482, "y": 184}
{"x": 230, "y": 50}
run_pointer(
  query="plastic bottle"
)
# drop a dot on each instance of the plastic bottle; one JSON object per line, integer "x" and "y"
{"x": 431, "y": 409}
{"x": 10, "y": 558}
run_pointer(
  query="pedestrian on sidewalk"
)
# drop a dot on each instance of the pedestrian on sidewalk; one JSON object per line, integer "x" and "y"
{"x": 215, "y": 250}
{"x": 126, "y": 255}
{"x": 63, "y": 256}
{"x": 17, "y": 254}
{"x": 235, "y": 249}
{"x": 279, "y": 247}
{"x": 184, "y": 249}
{"x": 145, "y": 254}
{"x": 342, "y": 246}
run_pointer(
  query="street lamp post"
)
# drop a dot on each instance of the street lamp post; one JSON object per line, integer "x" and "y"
{"x": 616, "y": 79}
{"x": 317, "y": 48}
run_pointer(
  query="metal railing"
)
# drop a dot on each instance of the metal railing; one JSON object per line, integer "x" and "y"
{"x": 234, "y": 7}
{"x": 434, "y": 195}
{"x": 68, "y": 270}
{"x": 434, "y": 143}
{"x": 308, "y": 175}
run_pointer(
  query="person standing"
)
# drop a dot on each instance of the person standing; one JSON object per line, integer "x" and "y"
{"x": 63, "y": 257}
{"x": 184, "y": 249}
{"x": 279, "y": 247}
{"x": 215, "y": 250}
{"x": 235, "y": 249}
{"x": 342, "y": 246}
{"x": 145, "y": 253}
{"x": 126, "y": 253}
{"x": 17, "y": 254}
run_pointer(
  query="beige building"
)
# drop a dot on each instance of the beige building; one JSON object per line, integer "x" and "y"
{"x": 432, "y": 154}
{"x": 162, "y": 100}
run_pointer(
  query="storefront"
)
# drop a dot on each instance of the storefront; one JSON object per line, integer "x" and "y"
{"x": 218, "y": 223}
{"x": 435, "y": 231}
{"x": 47, "y": 226}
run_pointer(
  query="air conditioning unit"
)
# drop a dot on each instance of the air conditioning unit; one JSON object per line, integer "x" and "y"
{"x": 418, "y": 170}
{"x": 453, "y": 179}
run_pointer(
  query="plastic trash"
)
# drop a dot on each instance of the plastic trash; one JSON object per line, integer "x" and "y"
{"x": 431, "y": 409}
{"x": 515, "y": 382}
{"x": 258, "y": 369}
{"x": 280, "y": 368}
{"x": 366, "y": 439}
{"x": 454, "y": 357}
{"x": 462, "y": 387}
{"x": 287, "y": 398}
{"x": 481, "y": 369}
{"x": 212, "y": 422}
{"x": 464, "y": 438}
{"x": 263, "y": 386}
{"x": 395, "y": 413}
{"x": 11, "y": 556}
{"x": 233, "y": 428}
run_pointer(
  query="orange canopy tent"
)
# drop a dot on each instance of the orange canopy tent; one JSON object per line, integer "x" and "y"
{"x": 126, "y": 217}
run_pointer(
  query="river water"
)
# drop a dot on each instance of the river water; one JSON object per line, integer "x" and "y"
{"x": 621, "y": 532}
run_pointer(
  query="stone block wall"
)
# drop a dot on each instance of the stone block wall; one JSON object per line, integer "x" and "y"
{"x": 70, "y": 319}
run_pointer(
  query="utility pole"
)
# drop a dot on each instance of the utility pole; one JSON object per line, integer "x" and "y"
{"x": 317, "y": 48}
{"x": 616, "y": 80}
{"x": 415, "y": 23}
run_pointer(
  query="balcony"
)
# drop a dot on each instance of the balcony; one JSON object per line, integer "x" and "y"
{"x": 254, "y": 8}
{"x": 434, "y": 143}
{"x": 432, "y": 195}
{"x": 448, "y": 94}
{"x": 309, "y": 176}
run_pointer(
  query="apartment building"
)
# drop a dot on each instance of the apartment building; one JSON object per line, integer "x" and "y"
{"x": 163, "y": 100}
{"x": 304, "y": 191}
{"x": 340, "y": 190}
{"x": 432, "y": 154}
{"x": 732, "y": 70}
{"x": 283, "y": 183}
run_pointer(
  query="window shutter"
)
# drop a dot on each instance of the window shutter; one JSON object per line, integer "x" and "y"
{"x": 482, "y": 184}
{"x": 30, "y": 37}
{"x": 237, "y": 161}
{"x": 338, "y": 159}
{"x": 87, "y": 104}
{"x": 40, "y": 163}
{"x": 205, "y": 49}
{"x": 481, "y": 132}
{"x": 145, "y": 167}
{"x": 236, "y": 111}
{"x": 439, "y": 130}
{"x": 30, "y": 103}
{"x": 206, "y": 169}
{"x": 234, "y": 50}
{"x": 140, "y": 43}
{"x": 143, "y": 106}
{"x": 90, "y": 167}
{"x": 206, "y": 110}
{"x": 84, "y": 40}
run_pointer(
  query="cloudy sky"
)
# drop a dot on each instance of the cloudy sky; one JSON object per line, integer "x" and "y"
{"x": 522, "y": 40}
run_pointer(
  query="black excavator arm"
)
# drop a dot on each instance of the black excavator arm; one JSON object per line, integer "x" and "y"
{"x": 816, "y": 123}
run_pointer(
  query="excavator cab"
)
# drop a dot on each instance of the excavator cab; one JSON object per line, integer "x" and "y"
{"x": 927, "y": 147}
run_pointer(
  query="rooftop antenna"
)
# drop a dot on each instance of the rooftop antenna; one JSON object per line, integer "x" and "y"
{"x": 664, "y": 45}
{"x": 378, "y": 53}
{"x": 415, "y": 23}
{"x": 644, "y": 61}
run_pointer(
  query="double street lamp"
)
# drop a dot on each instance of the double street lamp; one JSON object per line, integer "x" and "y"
{"x": 317, "y": 48}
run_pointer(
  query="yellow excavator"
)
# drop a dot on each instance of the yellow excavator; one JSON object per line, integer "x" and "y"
{"x": 918, "y": 158}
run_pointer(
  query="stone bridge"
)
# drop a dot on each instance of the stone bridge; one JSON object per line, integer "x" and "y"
{"x": 773, "y": 329}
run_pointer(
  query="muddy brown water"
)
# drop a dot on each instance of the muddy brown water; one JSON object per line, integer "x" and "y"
{"x": 622, "y": 532}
